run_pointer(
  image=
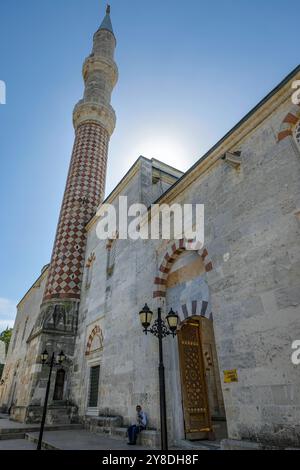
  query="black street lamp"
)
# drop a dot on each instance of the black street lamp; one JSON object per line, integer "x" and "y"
{"x": 160, "y": 330}
{"x": 44, "y": 357}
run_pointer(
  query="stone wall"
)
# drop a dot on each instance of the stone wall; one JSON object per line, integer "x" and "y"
{"x": 21, "y": 364}
{"x": 252, "y": 238}
{"x": 2, "y": 352}
{"x": 251, "y": 284}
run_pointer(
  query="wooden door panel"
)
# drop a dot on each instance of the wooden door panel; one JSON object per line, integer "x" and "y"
{"x": 194, "y": 391}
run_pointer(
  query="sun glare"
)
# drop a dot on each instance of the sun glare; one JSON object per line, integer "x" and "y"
{"x": 168, "y": 149}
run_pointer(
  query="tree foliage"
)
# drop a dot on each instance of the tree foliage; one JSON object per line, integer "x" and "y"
{"x": 5, "y": 336}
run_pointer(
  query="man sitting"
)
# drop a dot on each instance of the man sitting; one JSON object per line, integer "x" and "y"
{"x": 135, "y": 429}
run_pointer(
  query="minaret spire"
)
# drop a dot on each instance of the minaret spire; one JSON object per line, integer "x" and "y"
{"x": 94, "y": 121}
{"x": 106, "y": 23}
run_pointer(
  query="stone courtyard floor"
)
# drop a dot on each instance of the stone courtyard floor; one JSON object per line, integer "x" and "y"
{"x": 68, "y": 440}
{"x": 56, "y": 438}
{"x": 17, "y": 444}
{"x": 19, "y": 436}
{"x": 81, "y": 440}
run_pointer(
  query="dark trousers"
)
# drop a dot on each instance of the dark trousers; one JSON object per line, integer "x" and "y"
{"x": 133, "y": 432}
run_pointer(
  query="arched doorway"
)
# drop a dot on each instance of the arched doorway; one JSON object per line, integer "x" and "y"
{"x": 194, "y": 382}
{"x": 202, "y": 399}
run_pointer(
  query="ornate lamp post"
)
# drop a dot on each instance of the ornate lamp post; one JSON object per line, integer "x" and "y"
{"x": 160, "y": 330}
{"x": 44, "y": 357}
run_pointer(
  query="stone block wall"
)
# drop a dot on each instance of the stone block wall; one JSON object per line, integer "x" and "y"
{"x": 21, "y": 366}
{"x": 252, "y": 237}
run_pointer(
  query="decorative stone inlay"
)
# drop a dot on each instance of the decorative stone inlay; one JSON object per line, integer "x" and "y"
{"x": 96, "y": 331}
{"x": 297, "y": 133}
{"x": 289, "y": 121}
{"x": 90, "y": 260}
{"x": 84, "y": 191}
{"x": 172, "y": 253}
{"x": 94, "y": 112}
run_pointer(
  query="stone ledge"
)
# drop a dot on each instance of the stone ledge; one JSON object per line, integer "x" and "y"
{"x": 148, "y": 438}
{"x": 12, "y": 436}
{"x": 27, "y": 428}
{"x": 106, "y": 421}
{"x": 233, "y": 444}
{"x": 112, "y": 426}
{"x": 197, "y": 445}
{"x": 45, "y": 445}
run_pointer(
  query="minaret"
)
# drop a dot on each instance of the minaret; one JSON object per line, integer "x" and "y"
{"x": 94, "y": 121}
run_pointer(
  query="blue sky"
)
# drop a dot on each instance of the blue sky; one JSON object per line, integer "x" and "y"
{"x": 189, "y": 70}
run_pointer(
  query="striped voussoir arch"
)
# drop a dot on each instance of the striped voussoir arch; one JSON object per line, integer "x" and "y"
{"x": 289, "y": 121}
{"x": 194, "y": 308}
{"x": 172, "y": 253}
{"x": 95, "y": 331}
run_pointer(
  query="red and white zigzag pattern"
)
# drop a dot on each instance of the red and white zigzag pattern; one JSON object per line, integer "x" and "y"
{"x": 84, "y": 191}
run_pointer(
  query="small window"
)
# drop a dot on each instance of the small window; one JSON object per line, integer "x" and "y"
{"x": 59, "y": 385}
{"x": 111, "y": 258}
{"x": 94, "y": 386}
{"x": 24, "y": 331}
{"x": 89, "y": 270}
{"x": 297, "y": 133}
{"x": 15, "y": 338}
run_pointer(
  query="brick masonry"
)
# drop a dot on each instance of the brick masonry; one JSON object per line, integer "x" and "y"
{"x": 83, "y": 193}
{"x": 288, "y": 122}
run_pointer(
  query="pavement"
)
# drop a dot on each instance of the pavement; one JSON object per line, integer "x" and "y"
{"x": 82, "y": 440}
{"x": 69, "y": 439}
{"x": 17, "y": 444}
{"x": 6, "y": 423}
{"x": 78, "y": 439}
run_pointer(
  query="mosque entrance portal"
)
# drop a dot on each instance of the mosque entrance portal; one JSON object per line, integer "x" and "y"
{"x": 202, "y": 400}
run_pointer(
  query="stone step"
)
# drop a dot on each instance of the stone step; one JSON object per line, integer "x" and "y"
{"x": 106, "y": 421}
{"x": 147, "y": 438}
{"x": 6, "y": 437}
{"x": 220, "y": 429}
{"x": 23, "y": 429}
{"x": 112, "y": 426}
{"x": 34, "y": 439}
{"x": 14, "y": 431}
{"x": 93, "y": 423}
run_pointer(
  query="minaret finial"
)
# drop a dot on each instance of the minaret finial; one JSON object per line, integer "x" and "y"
{"x": 106, "y": 23}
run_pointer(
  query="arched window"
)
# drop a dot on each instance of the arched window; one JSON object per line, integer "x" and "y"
{"x": 59, "y": 385}
{"x": 297, "y": 133}
{"x": 95, "y": 341}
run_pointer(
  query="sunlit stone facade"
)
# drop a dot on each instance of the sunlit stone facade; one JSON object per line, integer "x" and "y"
{"x": 237, "y": 298}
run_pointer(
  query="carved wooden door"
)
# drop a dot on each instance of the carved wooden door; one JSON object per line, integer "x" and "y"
{"x": 197, "y": 419}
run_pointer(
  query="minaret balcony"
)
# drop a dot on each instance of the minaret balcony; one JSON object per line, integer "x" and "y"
{"x": 97, "y": 63}
{"x": 90, "y": 111}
